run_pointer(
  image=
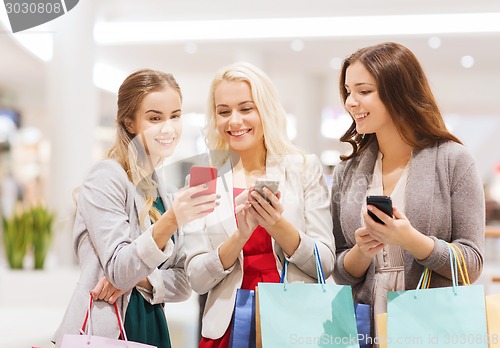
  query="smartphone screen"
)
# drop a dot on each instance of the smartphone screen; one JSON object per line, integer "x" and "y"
{"x": 383, "y": 203}
{"x": 271, "y": 184}
{"x": 199, "y": 175}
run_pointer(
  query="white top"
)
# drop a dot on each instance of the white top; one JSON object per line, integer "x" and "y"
{"x": 389, "y": 264}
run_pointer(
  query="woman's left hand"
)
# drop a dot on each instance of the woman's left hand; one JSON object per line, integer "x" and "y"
{"x": 266, "y": 213}
{"x": 395, "y": 230}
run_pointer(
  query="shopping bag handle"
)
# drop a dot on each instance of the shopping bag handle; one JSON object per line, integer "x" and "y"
{"x": 319, "y": 268}
{"x": 87, "y": 322}
{"x": 458, "y": 268}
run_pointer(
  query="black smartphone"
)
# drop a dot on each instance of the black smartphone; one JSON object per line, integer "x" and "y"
{"x": 383, "y": 203}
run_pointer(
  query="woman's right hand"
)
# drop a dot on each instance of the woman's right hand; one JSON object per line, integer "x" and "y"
{"x": 188, "y": 208}
{"x": 367, "y": 246}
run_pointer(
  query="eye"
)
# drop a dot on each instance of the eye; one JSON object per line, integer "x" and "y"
{"x": 246, "y": 109}
{"x": 176, "y": 116}
{"x": 155, "y": 118}
{"x": 365, "y": 92}
{"x": 224, "y": 113}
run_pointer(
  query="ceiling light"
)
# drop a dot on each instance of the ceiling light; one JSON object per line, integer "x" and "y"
{"x": 336, "y": 63}
{"x": 434, "y": 42}
{"x": 297, "y": 45}
{"x": 190, "y": 48}
{"x": 467, "y": 61}
{"x": 294, "y": 28}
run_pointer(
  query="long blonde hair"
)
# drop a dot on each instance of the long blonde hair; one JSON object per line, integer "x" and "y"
{"x": 265, "y": 97}
{"x": 127, "y": 148}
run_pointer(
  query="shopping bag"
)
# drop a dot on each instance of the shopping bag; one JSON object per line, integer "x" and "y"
{"x": 87, "y": 340}
{"x": 440, "y": 317}
{"x": 493, "y": 320}
{"x": 243, "y": 330}
{"x": 363, "y": 323}
{"x": 381, "y": 337}
{"x": 306, "y": 315}
{"x": 258, "y": 333}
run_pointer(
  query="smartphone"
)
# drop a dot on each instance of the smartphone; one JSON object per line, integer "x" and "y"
{"x": 271, "y": 184}
{"x": 199, "y": 175}
{"x": 383, "y": 203}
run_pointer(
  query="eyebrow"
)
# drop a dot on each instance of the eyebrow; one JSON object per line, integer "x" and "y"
{"x": 360, "y": 84}
{"x": 243, "y": 102}
{"x": 161, "y": 113}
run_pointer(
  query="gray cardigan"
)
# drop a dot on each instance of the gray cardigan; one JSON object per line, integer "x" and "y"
{"x": 109, "y": 241}
{"x": 444, "y": 200}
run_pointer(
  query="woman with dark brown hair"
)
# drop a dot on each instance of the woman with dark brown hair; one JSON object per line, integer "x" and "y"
{"x": 126, "y": 231}
{"x": 402, "y": 149}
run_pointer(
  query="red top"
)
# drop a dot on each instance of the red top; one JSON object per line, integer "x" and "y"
{"x": 259, "y": 265}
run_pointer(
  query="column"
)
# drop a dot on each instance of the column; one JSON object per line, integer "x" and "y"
{"x": 72, "y": 105}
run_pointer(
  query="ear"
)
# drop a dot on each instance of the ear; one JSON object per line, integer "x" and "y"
{"x": 129, "y": 126}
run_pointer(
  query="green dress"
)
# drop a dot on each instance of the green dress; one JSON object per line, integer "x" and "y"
{"x": 144, "y": 322}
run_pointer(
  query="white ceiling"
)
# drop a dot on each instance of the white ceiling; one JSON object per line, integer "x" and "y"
{"x": 459, "y": 90}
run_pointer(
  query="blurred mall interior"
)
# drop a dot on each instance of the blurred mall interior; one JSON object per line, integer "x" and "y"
{"x": 58, "y": 84}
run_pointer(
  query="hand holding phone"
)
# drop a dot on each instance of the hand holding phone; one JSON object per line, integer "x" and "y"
{"x": 384, "y": 203}
{"x": 271, "y": 184}
{"x": 199, "y": 175}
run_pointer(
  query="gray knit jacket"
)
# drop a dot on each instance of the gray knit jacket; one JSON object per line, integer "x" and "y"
{"x": 444, "y": 200}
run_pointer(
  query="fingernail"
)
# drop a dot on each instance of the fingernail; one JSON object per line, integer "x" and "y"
{"x": 218, "y": 196}
{"x": 369, "y": 207}
{"x": 217, "y": 203}
{"x": 205, "y": 185}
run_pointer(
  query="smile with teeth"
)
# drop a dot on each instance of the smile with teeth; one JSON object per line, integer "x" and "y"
{"x": 239, "y": 133}
{"x": 360, "y": 116}
{"x": 165, "y": 141}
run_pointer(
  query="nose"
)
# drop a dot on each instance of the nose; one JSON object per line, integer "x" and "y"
{"x": 167, "y": 127}
{"x": 236, "y": 119}
{"x": 351, "y": 101}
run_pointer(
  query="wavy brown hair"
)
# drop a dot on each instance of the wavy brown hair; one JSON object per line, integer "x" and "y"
{"x": 404, "y": 90}
{"x": 127, "y": 150}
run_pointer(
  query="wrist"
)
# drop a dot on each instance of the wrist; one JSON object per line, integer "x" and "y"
{"x": 171, "y": 218}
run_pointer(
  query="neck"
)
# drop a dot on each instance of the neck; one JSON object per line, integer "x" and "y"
{"x": 250, "y": 163}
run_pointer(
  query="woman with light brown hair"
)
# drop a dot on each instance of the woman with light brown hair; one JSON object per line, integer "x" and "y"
{"x": 126, "y": 231}
{"x": 402, "y": 149}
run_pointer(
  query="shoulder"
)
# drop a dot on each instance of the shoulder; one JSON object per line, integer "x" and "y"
{"x": 454, "y": 157}
{"x": 105, "y": 173}
{"x": 454, "y": 151}
{"x": 306, "y": 160}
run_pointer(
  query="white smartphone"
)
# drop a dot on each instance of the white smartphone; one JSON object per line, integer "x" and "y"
{"x": 271, "y": 184}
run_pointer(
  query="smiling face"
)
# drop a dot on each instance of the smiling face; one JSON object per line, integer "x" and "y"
{"x": 157, "y": 121}
{"x": 238, "y": 120}
{"x": 363, "y": 101}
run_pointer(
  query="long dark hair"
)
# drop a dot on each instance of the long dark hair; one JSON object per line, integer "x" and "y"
{"x": 404, "y": 90}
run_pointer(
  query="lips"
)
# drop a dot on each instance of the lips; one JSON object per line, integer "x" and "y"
{"x": 239, "y": 133}
{"x": 360, "y": 116}
{"x": 164, "y": 141}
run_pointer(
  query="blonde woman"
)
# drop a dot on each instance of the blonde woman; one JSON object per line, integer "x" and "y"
{"x": 247, "y": 239}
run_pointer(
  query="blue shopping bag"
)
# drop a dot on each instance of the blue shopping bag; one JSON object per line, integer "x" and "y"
{"x": 306, "y": 315}
{"x": 363, "y": 323}
{"x": 440, "y": 317}
{"x": 243, "y": 329}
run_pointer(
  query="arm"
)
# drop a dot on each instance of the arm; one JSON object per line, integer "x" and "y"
{"x": 348, "y": 257}
{"x": 311, "y": 225}
{"x": 210, "y": 254}
{"x": 467, "y": 224}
